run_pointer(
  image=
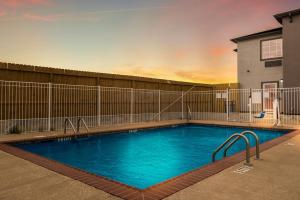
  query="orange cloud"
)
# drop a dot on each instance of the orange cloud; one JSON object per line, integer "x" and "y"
{"x": 10, "y": 7}
{"x": 20, "y": 3}
{"x": 34, "y": 17}
{"x": 180, "y": 55}
{"x": 2, "y": 13}
{"x": 204, "y": 76}
{"x": 219, "y": 51}
{"x": 142, "y": 71}
{"x": 217, "y": 75}
{"x": 56, "y": 17}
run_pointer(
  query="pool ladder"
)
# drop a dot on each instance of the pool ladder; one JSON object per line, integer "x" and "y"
{"x": 233, "y": 139}
{"x": 77, "y": 130}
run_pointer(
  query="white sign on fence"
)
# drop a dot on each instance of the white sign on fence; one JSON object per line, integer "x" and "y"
{"x": 256, "y": 97}
{"x": 224, "y": 95}
{"x": 221, "y": 95}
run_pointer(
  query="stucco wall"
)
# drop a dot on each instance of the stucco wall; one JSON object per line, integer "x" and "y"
{"x": 291, "y": 51}
{"x": 249, "y": 59}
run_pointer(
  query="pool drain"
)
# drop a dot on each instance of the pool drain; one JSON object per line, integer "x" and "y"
{"x": 243, "y": 169}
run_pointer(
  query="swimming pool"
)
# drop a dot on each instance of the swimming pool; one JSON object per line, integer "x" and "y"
{"x": 146, "y": 157}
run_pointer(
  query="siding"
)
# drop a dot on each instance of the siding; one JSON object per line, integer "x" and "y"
{"x": 249, "y": 59}
{"x": 291, "y": 49}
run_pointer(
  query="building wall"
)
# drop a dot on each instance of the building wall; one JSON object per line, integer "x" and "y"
{"x": 249, "y": 60}
{"x": 291, "y": 51}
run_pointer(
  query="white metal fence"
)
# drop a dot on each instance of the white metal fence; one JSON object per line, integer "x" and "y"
{"x": 28, "y": 107}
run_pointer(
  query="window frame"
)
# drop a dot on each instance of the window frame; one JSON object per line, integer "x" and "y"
{"x": 275, "y": 58}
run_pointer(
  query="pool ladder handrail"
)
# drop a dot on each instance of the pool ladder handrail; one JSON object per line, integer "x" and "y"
{"x": 84, "y": 124}
{"x": 257, "y": 151}
{"x": 236, "y": 137}
{"x": 67, "y": 120}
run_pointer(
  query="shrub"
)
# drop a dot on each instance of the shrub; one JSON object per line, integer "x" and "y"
{"x": 41, "y": 129}
{"x": 15, "y": 129}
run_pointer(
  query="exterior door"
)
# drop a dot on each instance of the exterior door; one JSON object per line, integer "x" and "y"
{"x": 269, "y": 95}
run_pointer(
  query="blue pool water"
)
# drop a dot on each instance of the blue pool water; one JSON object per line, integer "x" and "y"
{"x": 146, "y": 157}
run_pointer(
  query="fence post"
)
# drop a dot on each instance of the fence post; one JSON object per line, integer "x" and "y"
{"x": 250, "y": 105}
{"x": 49, "y": 105}
{"x": 182, "y": 105}
{"x": 99, "y": 106}
{"x": 158, "y": 105}
{"x": 227, "y": 104}
{"x": 131, "y": 105}
{"x": 279, "y": 96}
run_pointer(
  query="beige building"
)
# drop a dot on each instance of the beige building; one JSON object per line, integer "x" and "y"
{"x": 270, "y": 59}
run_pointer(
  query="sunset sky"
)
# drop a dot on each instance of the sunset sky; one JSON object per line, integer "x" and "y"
{"x": 185, "y": 40}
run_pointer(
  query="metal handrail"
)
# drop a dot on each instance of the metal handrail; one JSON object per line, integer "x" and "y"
{"x": 228, "y": 140}
{"x": 84, "y": 124}
{"x": 189, "y": 112}
{"x": 67, "y": 120}
{"x": 236, "y": 139}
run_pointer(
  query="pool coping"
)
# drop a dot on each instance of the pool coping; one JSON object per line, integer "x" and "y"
{"x": 126, "y": 129}
{"x": 92, "y": 132}
{"x": 156, "y": 192}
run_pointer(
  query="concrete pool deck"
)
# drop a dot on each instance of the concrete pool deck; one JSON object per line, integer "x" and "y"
{"x": 276, "y": 176}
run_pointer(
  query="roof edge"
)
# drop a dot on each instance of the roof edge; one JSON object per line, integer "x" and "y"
{"x": 269, "y": 32}
{"x": 290, "y": 13}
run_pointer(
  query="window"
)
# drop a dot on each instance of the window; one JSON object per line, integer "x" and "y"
{"x": 271, "y": 49}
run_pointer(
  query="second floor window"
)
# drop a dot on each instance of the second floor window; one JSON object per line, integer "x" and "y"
{"x": 271, "y": 49}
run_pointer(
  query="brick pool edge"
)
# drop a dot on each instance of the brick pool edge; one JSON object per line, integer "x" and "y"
{"x": 156, "y": 192}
